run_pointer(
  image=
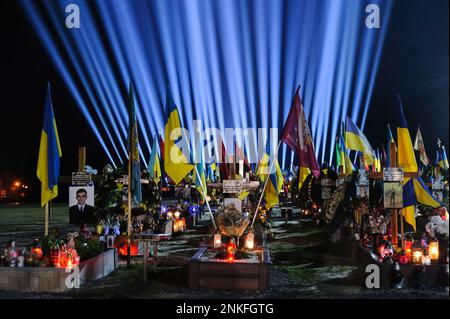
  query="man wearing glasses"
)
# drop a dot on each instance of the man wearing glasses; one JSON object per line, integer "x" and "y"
{"x": 81, "y": 212}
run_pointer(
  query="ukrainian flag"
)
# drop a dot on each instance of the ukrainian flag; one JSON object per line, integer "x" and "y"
{"x": 49, "y": 154}
{"x": 378, "y": 162}
{"x": 408, "y": 202}
{"x": 154, "y": 167}
{"x": 175, "y": 162}
{"x": 346, "y": 162}
{"x": 356, "y": 140}
{"x": 438, "y": 160}
{"x": 275, "y": 182}
{"x": 444, "y": 160}
{"x": 406, "y": 158}
{"x": 200, "y": 179}
{"x": 415, "y": 191}
{"x": 423, "y": 195}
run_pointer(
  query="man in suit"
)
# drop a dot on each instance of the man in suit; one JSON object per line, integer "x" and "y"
{"x": 81, "y": 212}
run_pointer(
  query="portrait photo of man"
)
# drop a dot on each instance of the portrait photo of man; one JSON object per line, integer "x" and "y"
{"x": 81, "y": 209}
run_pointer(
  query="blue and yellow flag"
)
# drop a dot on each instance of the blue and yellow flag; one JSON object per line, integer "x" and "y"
{"x": 409, "y": 201}
{"x": 438, "y": 160}
{"x": 444, "y": 160}
{"x": 423, "y": 194}
{"x": 275, "y": 178}
{"x": 406, "y": 158}
{"x": 176, "y": 163}
{"x": 378, "y": 162}
{"x": 416, "y": 192}
{"x": 154, "y": 168}
{"x": 133, "y": 151}
{"x": 347, "y": 164}
{"x": 49, "y": 154}
{"x": 357, "y": 141}
{"x": 199, "y": 173}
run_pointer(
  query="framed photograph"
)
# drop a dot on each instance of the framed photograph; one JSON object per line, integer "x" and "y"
{"x": 81, "y": 204}
{"x": 393, "y": 195}
{"x": 232, "y": 205}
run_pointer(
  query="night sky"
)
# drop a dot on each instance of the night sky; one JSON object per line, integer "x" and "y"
{"x": 414, "y": 62}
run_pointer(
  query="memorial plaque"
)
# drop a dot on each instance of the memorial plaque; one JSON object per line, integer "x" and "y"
{"x": 326, "y": 182}
{"x": 231, "y": 186}
{"x": 81, "y": 178}
{"x": 363, "y": 177}
{"x": 393, "y": 174}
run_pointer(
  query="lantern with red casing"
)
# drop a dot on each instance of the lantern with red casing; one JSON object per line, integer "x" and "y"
{"x": 408, "y": 248}
{"x": 231, "y": 250}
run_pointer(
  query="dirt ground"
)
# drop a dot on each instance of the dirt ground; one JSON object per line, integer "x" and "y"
{"x": 304, "y": 266}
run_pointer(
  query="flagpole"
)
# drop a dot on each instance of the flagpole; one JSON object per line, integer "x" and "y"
{"x": 129, "y": 212}
{"x": 46, "y": 209}
{"x": 205, "y": 197}
{"x": 265, "y": 184}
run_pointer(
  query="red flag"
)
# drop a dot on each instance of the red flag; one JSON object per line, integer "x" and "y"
{"x": 224, "y": 172}
{"x": 297, "y": 136}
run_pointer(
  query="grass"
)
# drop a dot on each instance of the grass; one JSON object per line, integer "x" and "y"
{"x": 16, "y": 217}
{"x": 306, "y": 275}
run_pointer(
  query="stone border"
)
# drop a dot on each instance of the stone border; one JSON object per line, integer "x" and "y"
{"x": 48, "y": 279}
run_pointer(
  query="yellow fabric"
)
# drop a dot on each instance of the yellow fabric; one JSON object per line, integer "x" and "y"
{"x": 348, "y": 167}
{"x": 243, "y": 194}
{"x": 175, "y": 162}
{"x": 157, "y": 170}
{"x": 304, "y": 172}
{"x": 42, "y": 167}
{"x": 271, "y": 196}
{"x": 42, "y": 172}
{"x": 408, "y": 214}
{"x": 356, "y": 143}
{"x": 423, "y": 196}
{"x": 406, "y": 158}
{"x": 271, "y": 192}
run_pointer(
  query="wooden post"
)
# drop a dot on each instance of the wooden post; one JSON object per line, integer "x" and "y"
{"x": 81, "y": 158}
{"x": 341, "y": 173}
{"x": 394, "y": 212}
{"x": 46, "y": 220}
{"x": 402, "y": 231}
{"x": 145, "y": 260}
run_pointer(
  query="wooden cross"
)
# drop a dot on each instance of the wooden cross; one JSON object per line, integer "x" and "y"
{"x": 394, "y": 212}
{"x": 68, "y": 180}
